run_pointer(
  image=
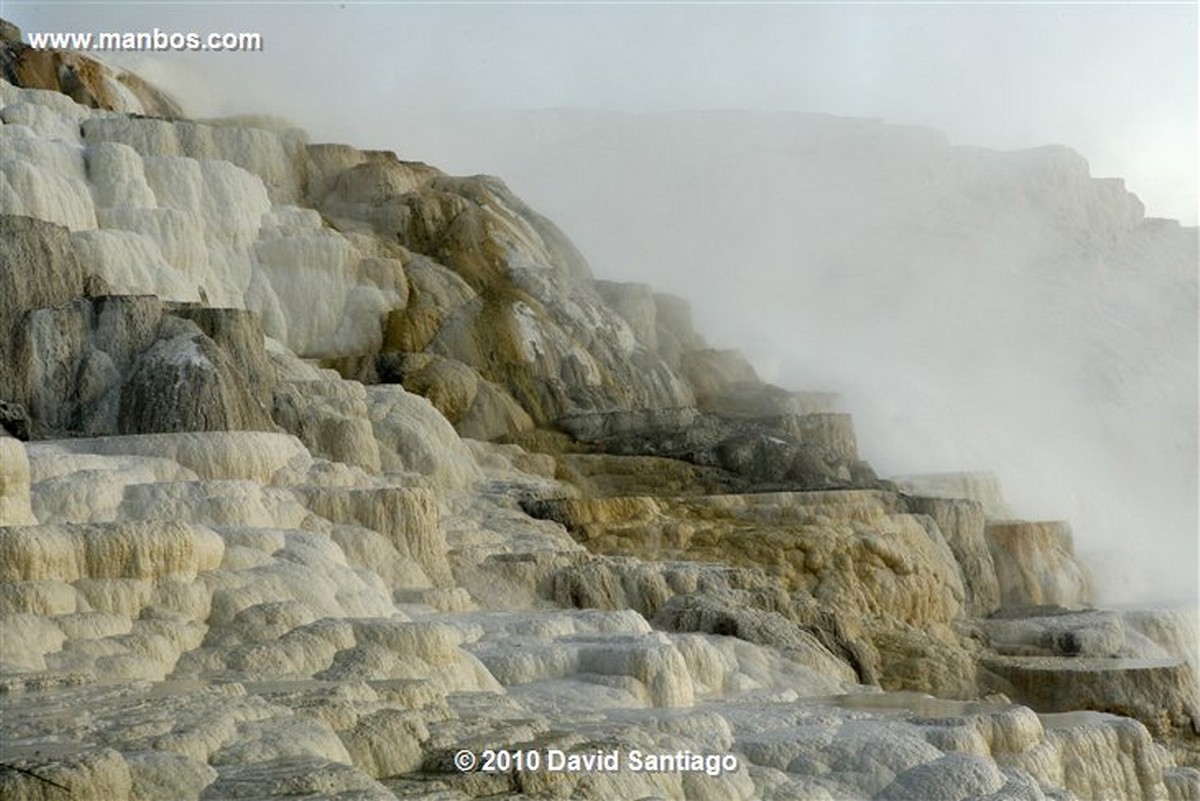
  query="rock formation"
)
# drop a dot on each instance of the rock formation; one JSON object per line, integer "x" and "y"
{"x": 321, "y": 467}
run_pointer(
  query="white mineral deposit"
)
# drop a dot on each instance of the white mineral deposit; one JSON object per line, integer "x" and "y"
{"x": 327, "y": 474}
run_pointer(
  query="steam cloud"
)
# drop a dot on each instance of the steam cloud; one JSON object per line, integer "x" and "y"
{"x": 978, "y": 310}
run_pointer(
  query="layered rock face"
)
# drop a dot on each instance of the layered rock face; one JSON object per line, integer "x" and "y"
{"x": 322, "y": 467}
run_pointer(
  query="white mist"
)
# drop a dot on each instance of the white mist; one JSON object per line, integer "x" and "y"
{"x": 978, "y": 310}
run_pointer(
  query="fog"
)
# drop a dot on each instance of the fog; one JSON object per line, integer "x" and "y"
{"x": 853, "y": 220}
{"x": 977, "y": 310}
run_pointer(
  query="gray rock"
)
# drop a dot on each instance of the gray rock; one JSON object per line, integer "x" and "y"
{"x": 186, "y": 382}
{"x": 616, "y": 427}
{"x": 73, "y": 363}
{"x": 961, "y": 522}
{"x": 240, "y": 334}
{"x": 75, "y": 355}
{"x": 14, "y": 420}
{"x": 38, "y": 268}
{"x": 119, "y": 364}
{"x": 1161, "y": 693}
{"x": 806, "y": 451}
{"x": 1093, "y": 633}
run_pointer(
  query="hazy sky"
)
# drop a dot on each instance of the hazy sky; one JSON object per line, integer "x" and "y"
{"x": 1116, "y": 82}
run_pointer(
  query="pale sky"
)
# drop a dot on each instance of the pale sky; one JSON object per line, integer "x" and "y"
{"x": 1116, "y": 82}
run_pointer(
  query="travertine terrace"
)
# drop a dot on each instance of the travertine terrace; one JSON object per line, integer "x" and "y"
{"x": 320, "y": 467}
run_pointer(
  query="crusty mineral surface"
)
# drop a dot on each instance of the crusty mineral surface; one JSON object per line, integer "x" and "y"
{"x": 326, "y": 475}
